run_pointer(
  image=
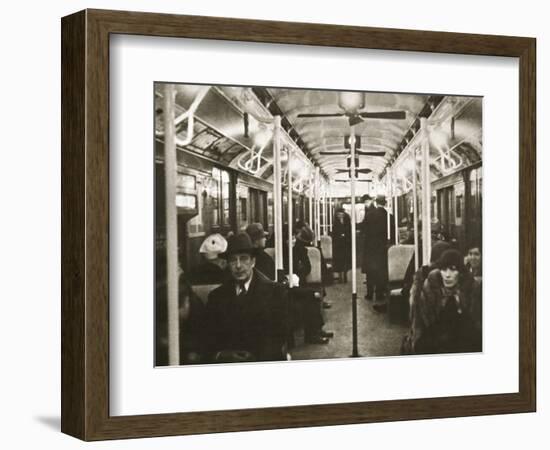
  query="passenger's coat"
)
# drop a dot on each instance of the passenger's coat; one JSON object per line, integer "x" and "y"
{"x": 255, "y": 323}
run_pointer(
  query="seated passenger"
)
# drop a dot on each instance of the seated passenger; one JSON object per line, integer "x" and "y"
{"x": 326, "y": 274}
{"x": 446, "y": 309}
{"x": 412, "y": 285}
{"x": 301, "y": 225}
{"x": 213, "y": 270}
{"x": 473, "y": 261}
{"x": 245, "y": 318}
{"x": 438, "y": 247}
{"x": 191, "y": 313}
{"x": 191, "y": 316}
{"x": 308, "y": 300}
{"x": 409, "y": 236}
{"x": 300, "y": 259}
{"x": 264, "y": 262}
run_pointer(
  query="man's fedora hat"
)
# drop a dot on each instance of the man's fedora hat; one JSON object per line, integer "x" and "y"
{"x": 381, "y": 200}
{"x": 366, "y": 198}
{"x": 239, "y": 243}
{"x": 256, "y": 231}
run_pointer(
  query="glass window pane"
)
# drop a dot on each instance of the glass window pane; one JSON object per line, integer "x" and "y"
{"x": 225, "y": 197}
{"x": 186, "y": 201}
{"x": 186, "y": 182}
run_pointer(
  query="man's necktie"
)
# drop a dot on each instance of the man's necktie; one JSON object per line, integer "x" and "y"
{"x": 242, "y": 290}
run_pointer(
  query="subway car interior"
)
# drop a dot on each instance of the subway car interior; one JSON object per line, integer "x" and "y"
{"x": 311, "y": 164}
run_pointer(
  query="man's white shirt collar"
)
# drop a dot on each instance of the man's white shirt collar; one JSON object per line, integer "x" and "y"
{"x": 246, "y": 285}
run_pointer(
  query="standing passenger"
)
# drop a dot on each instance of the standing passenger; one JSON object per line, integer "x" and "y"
{"x": 376, "y": 250}
{"x": 341, "y": 245}
{"x": 369, "y": 206}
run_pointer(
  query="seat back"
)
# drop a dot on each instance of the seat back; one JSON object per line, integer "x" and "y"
{"x": 202, "y": 290}
{"x": 399, "y": 257}
{"x": 314, "y": 255}
{"x": 326, "y": 247}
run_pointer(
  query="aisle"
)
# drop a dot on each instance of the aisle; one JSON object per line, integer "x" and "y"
{"x": 376, "y": 336}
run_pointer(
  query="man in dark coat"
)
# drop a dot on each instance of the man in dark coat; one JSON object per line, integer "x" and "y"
{"x": 245, "y": 318}
{"x": 369, "y": 206}
{"x": 376, "y": 249}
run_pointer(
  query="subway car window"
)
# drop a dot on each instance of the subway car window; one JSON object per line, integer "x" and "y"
{"x": 299, "y": 224}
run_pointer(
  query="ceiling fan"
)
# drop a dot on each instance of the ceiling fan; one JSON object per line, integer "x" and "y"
{"x": 357, "y": 152}
{"x": 351, "y": 103}
{"x": 357, "y": 170}
{"x": 347, "y": 145}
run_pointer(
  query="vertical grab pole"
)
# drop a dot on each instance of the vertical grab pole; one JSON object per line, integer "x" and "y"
{"x": 310, "y": 202}
{"x": 317, "y": 209}
{"x": 322, "y": 209}
{"x": 388, "y": 204}
{"x": 277, "y": 196}
{"x": 355, "y": 349}
{"x": 426, "y": 194}
{"x": 290, "y": 220}
{"x": 396, "y": 209}
{"x": 170, "y": 176}
{"x": 325, "y": 217}
{"x": 415, "y": 212}
{"x": 330, "y": 210}
{"x": 321, "y": 216}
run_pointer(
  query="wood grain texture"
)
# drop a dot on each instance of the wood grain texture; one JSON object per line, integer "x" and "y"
{"x": 527, "y": 224}
{"x": 73, "y": 226}
{"x": 85, "y": 224}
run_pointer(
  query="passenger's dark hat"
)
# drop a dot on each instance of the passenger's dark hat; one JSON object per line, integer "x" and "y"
{"x": 305, "y": 235}
{"x": 381, "y": 200}
{"x": 451, "y": 258}
{"x": 239, "y": 243}
{"x": 438, "y": 248}
{"x": 366, "y": 197}
{"x": 256, "y": 231}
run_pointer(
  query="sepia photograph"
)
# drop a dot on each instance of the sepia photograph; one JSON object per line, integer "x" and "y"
{"x": 305, "y": 224}
{"x": 291, "y": 223}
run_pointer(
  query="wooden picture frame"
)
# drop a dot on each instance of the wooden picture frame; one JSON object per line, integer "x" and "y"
{"x": 85, "y": 224}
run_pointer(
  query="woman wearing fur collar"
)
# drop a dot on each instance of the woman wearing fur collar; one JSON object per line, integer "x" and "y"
{"x": 446, "y": 308}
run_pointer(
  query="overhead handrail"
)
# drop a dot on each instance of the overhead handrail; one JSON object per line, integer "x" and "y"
{"x": 190, "y": 115}
{"x": 254, "y": 157}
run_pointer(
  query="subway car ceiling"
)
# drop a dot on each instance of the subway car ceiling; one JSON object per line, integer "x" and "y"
{"x": 387, "y": 127}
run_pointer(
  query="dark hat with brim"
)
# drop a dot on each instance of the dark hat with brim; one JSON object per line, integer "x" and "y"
{"x": 366, "y": 198}
{"x": 305, "y": 235}
{"x": 256, "y": 231}
{"x": 239, "y": 243}
{"x": 380, "y": 200}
